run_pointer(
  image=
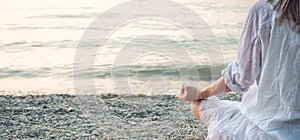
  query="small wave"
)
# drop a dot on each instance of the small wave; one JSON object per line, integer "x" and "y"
{"x": 82, "y": 15}
{"x": 203, "y": 72}
{"x": 40, "y": 27}
{"x": 35, "y": 73}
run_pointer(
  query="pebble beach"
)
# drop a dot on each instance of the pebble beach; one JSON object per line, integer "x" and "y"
{"x": 63, "y": 116}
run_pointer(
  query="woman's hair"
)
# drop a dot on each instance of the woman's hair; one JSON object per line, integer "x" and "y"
{"x": 290, "y": 10}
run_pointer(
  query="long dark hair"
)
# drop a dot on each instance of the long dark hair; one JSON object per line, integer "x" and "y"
{"x": 290, "y": 10}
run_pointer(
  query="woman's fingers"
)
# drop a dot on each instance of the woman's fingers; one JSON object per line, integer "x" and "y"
{"x": 182, "y": 91}
{"x": 178, "y": 96}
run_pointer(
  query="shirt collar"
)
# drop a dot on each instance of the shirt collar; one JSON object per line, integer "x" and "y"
{"x": 273, "y": 3}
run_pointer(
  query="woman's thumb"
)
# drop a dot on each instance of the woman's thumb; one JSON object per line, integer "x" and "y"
{"x": 182, "y": 89}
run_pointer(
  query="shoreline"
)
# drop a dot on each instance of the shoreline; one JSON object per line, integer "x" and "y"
{"x": 99, "y": 116}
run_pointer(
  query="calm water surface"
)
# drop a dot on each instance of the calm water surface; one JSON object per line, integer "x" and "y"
{"x": 38, "y": 40}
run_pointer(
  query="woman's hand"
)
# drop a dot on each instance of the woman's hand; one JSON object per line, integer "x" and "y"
{"x": 190, "y": 93}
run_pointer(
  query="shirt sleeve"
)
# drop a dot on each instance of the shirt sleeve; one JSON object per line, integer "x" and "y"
{"x": 243, "y": 71}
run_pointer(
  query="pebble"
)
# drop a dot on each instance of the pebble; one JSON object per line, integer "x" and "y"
{"x": 61, "y": 116}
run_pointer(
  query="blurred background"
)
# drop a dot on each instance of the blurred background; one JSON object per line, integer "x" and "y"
{"x": 38, "y": 40}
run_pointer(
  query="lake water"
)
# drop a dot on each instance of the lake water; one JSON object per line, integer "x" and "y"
{"x": 38, "y": 41}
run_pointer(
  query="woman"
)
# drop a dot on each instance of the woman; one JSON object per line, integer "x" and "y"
{"x": 266, "y": 70}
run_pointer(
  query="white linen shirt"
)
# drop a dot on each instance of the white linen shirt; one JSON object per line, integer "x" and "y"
{"x": 267, "y": 70}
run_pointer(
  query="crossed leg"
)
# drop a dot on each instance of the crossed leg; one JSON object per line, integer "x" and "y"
{"x": 195, "y": 110}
